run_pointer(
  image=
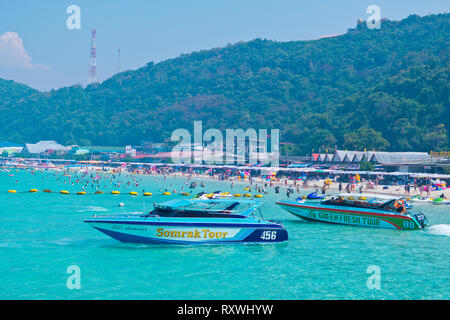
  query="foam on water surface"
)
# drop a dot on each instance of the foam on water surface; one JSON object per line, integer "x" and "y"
{"x": 440, "y": 229}
{"x": 93, "y": 209}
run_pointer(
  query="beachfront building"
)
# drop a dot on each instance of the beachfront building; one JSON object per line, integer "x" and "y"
{"x": 105, "y": 152}
{"x": 403, "y": 161}
{"x": 385, "y": 161}
{"x": 325, "y": 157}
{"x": 338, "y": 156}
{"x": 80, "y": 151}
{"x": 45, "y": 148}
{"x": 152, "y": 148}
{"x": 8, "y": 148}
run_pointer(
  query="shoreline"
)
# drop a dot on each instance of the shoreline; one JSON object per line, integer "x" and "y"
{"x": 284, "y": 184}
{"x": 334, "y": 187}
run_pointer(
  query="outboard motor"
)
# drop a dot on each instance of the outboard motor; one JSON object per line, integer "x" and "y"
{"x": 421, "y": 219}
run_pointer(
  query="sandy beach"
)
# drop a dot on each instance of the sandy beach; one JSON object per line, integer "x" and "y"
{"x": 393, "y": 190}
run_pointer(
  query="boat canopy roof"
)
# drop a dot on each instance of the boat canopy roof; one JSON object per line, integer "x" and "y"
{"x": 241, "y": 206}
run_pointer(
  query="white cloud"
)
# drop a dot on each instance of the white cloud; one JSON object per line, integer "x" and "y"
{"x": 13, "y": 54}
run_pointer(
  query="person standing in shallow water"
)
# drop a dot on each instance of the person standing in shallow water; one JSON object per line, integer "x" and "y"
{"x": 347, "y": 188}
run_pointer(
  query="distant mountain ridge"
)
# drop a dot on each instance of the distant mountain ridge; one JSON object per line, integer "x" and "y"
{"x": 385, "y": 89}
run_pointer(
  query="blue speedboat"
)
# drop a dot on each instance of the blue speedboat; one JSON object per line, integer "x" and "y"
{"x": 316, "y": 196}
{"x": 185, "y": 221}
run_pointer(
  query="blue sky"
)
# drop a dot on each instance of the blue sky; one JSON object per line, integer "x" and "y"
{"x": 46, "y": 55}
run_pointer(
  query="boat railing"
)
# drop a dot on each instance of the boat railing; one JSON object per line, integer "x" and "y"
{"x": 206, "y": 210}
{"x": 386, "y": 206}
{"x": 244, "y": 212}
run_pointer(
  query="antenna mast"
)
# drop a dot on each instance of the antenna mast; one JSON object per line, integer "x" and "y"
{"x": 118, "y": 60}
{"x": 93, "y": 60}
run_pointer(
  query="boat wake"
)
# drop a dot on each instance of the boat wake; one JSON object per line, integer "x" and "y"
{"x": 440, "y": 230}
{"x": 93, "y": 209}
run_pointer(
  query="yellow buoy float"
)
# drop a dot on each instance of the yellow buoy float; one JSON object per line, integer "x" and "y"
{"x": 81, "y": 192}
{"x": 133, "y": 193}
{"x": 185, "y": 194}
{"x": 248, "y": 195}
{"x": 147, "y": 194}
{"x": 98, "y": 192}
{"x": 64, "y": 192}
{"x": 115, "y": 192}
{"x": 362, "y": 198}
{"x": 258, "y": 196}
{"x": 166, "y": 193}
{"x": 12, "y": 191}
{"x": 238, "y": 195}
{"x": 33, "y": 190}
{"x": 246, "y": 189}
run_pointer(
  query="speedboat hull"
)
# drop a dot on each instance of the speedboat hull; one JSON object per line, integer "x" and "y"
{"x": 365, "y": 217}
{"x": 421, "y": 199}
{"x": 195, "y": 231}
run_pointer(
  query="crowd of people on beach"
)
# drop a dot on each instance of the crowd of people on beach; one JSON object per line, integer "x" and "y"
{"x": 91, "y": 181}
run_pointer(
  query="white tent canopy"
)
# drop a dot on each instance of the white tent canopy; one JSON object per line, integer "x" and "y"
{"x": 43, "y": 146}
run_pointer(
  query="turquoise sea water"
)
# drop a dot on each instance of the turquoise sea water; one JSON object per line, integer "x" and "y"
{"x": 42, "y": 234}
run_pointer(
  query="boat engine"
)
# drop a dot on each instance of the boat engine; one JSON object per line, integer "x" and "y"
{"x": 421, "y": 219}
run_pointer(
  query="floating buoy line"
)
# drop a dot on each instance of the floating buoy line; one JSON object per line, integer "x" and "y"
{"x": 116, "y": 192}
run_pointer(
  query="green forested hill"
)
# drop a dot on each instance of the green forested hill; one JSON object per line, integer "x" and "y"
{"x": 385, "y": 89}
